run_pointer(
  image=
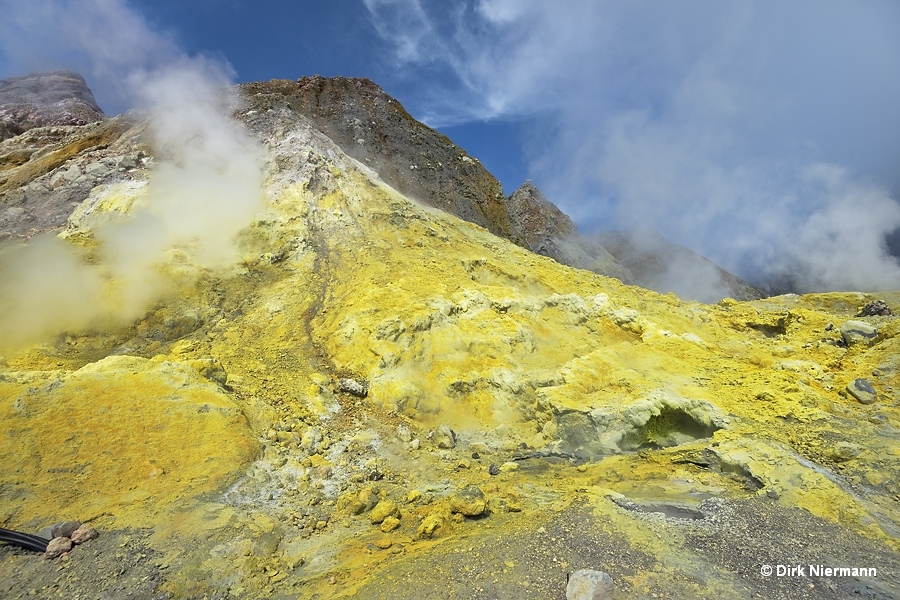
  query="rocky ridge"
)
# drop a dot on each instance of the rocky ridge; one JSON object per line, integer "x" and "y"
{"x": 370, "y": 126}
{"x": 425, "y": 165}
{"x": 45, "y": 99}
{"x": 36, "y": 195}
{"x": 379, "y": 390}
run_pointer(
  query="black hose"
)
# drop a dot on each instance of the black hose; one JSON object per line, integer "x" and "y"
{"x": 24, "y": 540}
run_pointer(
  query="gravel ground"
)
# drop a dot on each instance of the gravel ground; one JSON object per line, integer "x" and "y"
{"x": 719, "y": 556}
{"x": 118, "y": 564}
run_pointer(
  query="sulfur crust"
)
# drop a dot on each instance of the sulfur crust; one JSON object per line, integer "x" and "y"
{"x": 448, "y": 325}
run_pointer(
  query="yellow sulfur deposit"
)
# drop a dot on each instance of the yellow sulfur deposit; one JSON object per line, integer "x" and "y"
{"x": 115, "y": 437}
{"x": 671, "y": 444}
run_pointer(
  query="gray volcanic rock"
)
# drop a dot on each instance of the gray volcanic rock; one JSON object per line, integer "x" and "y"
{"x": 45, "y": 99}
{"x": 535, "y": 218}
{"x": 376, "y": 130}
{"x": 548, "y": 231}
{"x": 55, "y": 146}
{"x": 47, "y": 171}
{"x": 856, "y": 332}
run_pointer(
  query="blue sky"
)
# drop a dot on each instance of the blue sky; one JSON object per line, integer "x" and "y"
{"x": 765, "y": 135}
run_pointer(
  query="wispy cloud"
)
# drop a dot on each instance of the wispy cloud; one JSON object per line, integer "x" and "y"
{"x": 408, "y": 26}
{"x": 712, "y": 122}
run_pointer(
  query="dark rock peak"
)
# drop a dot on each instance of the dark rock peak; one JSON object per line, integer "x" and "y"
{"x": 535, "y": 218}
{"x": 45, "y": 99}
{"x": 375, "y": 129}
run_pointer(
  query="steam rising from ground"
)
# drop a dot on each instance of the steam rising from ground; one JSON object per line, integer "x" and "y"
{"x": 206, "y": 186}
{"x": 765, "y": 136}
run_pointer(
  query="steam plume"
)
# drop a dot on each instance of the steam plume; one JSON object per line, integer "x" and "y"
{"x": 764, "y": 135}
{"x": 206, "y": 186}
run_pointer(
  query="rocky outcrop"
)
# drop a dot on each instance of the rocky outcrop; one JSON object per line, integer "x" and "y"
{"x": 46, "y": 171}
{"x": 647, "y": 260}
{"x": 45, "y": 99}
{"x": 535, "y": 218}
{"x": 548, "y": 231}
{"x": 375, "y": 129}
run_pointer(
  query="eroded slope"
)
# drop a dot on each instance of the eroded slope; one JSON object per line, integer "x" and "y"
{"x": 380, "y": 390}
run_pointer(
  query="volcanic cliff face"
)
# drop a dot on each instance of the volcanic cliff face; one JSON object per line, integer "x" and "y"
{"x": 374, "y": 128}
{"x": 425, "y": 165}
{"x": 55, "y": 146}
{"x": 45, "y": 99}
{"x": 379, "y": 399}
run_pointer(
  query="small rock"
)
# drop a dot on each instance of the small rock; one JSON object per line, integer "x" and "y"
{"x": 72, "y": 173}
{"x": 862, "y": 390}
{"x": 97, "y": 169}
{"x": 57, "y": 547}
{"x": 64, "y": 529}
{"x": 58, "y": 179}
{"x": 844, "y": 451}
{"x": 368, "y": 497}
{"x": 444, "y": 437}
{"x": 468, "y": 501}
{"x": 855, "y": 332}
{"x": 311, "y": 439}
{"x": 586, "y": 584}
{"x": 875, "y": 308}
{"x": 389, "y": 524}
{"x": 127, "y": 162}
{"x": 83, "y": 534}
{"x": 493, "y": 469}
{"x": 383, "y": 510}
{"x": 384, "y": 543}
{"x": 354, "y": 387}
{"x": 413, "y": 495}
{"x": 430, "y": 525}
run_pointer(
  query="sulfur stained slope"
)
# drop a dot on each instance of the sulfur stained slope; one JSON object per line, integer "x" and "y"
{"x": 375, "y": 129}
{"x": 688, "y": 443}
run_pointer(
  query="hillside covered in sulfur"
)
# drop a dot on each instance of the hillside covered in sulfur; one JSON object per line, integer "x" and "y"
{"x": 382, "y": 378}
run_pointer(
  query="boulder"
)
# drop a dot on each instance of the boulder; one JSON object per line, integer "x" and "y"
{"x": 383, "y": 510}
{"x": 586, "y": 584}
{"x": 875, "y": 308}
{"x": 469, "y": 501}
{"x": 857, "y": 332}
{"x": 57, "y": 547}
{"x": 862, "y": 390}
{"x": 444, "y": 437}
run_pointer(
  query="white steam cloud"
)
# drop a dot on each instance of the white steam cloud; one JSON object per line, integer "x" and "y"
{"x": 764, "y": 135}
{"x": 206, "y": 185}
